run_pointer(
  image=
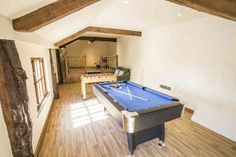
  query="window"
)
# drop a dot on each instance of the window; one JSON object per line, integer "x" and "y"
{"x": 39, "y": 80}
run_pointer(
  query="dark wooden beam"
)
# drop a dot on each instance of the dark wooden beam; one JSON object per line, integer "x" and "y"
{"x": 91, "y": 39}
{"x": 221, "y": 8}
{"x": 113, "y": 31}
{"x": 59, "y": 71}
{"x": 14, "y": 100}
{"x": 70, "y": 38}
{"x": 48, "y": 14}
{"x": 63, "y": 53}
{"x": 98, "y": 39}
{"x": 98, "y": 30}
{"x": 54, "y": 78}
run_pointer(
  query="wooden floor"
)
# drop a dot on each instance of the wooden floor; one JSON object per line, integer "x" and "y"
{"x": 79, "y": 128}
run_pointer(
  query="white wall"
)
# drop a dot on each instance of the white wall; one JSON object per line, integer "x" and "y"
{"x": 28, "y": 45}
{"x": 7, "y": 32}
{"x": 92, "y": 51}
{"x": 197, "y": 59}
{"x": 5, "y": 147}
{"x": 26, "y": 51}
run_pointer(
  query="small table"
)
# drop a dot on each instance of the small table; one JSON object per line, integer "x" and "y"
{"x": 141, "y": 111}
{"x": 95, "y": 78}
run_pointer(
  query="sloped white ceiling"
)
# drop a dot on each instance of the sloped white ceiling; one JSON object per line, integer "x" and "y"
{"x": 17, "y": 8}
{"x": 126, "y": 14}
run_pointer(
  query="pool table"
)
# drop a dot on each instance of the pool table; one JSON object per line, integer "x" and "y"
{"x": 141, "y": 111}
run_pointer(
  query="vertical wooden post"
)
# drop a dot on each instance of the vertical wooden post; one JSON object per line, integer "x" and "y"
{"x": 14, "y": 100}
{"x": 63, "y": 66}
{"x": 85, "y": 63}
{"x": 59, "y": 72}
{"x": 117, "y": 61}
{"x": 66, "y": 62}
{"x": 54, "y": 79}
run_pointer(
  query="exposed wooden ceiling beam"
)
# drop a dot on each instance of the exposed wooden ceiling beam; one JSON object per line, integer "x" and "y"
{"x": 97, "y": 39}
{"x": 98, "y": 30}
{"x": 48, "y": 14}
{"x": 222, "y": 8}
{"x": 113, "y": 31}
{"x": 91, "y": 39}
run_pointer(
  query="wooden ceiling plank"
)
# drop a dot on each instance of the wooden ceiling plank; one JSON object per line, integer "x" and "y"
{"x": 48, "y": 14}
{"x": 221, "y": 8}
{"x": 98, "y": 30}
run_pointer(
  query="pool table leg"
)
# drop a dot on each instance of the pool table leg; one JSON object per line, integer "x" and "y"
{"x": 139, "y": 137}
{"x": 162, "y": 136}
{"x": 131, "y": 144}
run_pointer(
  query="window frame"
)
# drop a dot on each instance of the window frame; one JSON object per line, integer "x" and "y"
{"x": 40, "y": 83}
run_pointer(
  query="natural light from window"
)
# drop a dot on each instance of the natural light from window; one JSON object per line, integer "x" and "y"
{"x": 86, "y": 112}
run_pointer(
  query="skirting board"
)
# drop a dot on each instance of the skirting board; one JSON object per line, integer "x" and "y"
{"x": 219, "y": 118}
{"x": 189, "y": 110}
{"x": 39, "y": 144}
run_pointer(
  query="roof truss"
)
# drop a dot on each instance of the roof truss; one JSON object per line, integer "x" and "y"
{"x": 48, "y": 14}
{"x": 91, "y": 39}
{"x": 76, "y": 36}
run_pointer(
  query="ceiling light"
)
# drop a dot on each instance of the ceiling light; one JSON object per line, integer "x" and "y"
{"x": 179, "y": 14}
{"x": 126, "y": 2}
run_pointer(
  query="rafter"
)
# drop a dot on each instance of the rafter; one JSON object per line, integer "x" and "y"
{"x": 98, "y": 30}
{"x": 91, "y": 39}
{"x": 222, "y": 8}
{"x": 48, "y": 14}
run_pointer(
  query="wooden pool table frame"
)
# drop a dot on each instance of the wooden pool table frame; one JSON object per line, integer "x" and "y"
{"x": 142, "y": 125}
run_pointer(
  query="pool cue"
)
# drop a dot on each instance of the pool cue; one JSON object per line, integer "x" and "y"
{"x": 125, "y": 93}
{"x": 130, "y": 97}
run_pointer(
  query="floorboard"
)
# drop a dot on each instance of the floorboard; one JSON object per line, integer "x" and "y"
{"x": 78, "y": 128}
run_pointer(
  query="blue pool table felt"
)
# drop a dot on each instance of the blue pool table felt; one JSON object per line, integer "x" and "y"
{"x": 153, "y": 98}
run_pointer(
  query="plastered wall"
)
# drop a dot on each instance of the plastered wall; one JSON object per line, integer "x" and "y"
{"x": 197, "y": 59}
{"x": 28, "y": 45}
{"x": 26, "y": 51}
